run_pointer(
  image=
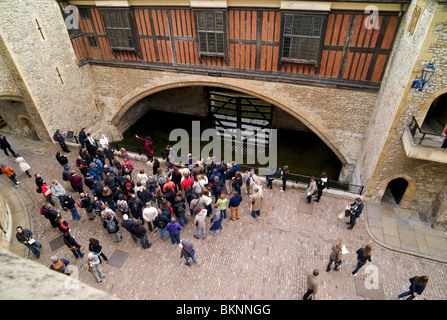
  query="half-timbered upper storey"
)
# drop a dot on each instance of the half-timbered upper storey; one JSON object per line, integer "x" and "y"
{"x": 331, "y": 43}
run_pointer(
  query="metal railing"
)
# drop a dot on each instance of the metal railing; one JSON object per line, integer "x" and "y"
{"x": 424, "y": 138}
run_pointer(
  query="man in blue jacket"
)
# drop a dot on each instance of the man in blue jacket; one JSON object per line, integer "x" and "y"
{"x": 234, "y": 204}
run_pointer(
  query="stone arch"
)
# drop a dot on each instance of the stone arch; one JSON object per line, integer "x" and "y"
{"x": 28, "y": 127}
{"x": 407, "y": 195}
{"x": 135, "y": 95}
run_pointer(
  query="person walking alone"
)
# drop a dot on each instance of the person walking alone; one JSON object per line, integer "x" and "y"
{"x": 188, "y": 252}
{"x": 284, "y": 177}
{"x": 417, "y": 286}
{"x": 312, "y": 285}
{"x": 363, "y": 256}
{"x": 4, "y": 144}
{"x": 335, "y": 256}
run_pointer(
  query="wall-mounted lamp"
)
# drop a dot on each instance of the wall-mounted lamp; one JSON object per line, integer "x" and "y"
{"x": 427, "y": 73}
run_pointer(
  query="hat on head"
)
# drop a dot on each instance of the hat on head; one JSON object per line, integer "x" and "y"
{"x": 53, "y": 258}
{"x": 125, "y": 217}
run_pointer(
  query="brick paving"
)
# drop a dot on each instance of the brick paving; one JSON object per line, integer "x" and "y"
{"x": 267, "y": 258}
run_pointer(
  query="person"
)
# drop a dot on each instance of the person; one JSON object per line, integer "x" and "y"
{"x": 86, "y": 203}
{"x": 335, "y": 256}
{"x": 363, "y": 255}
{"x": 207, "y": 201}
{"x": 76, "y": 182}
{"x": 311, "y": 189}
{"x": 270, "y": 177}
{"x": 142, "y": 177}
{"x": 82, "y": 137}
{"x": 149, "y": 215}
{"x": 90, "y": 145}
{"x": 356, "y": 209}
{"x": 444, "y": 144}
{"x": 216, "y": 220}
{"x": 46, "y": 191}
{"x": 62, "y": 224}
{"x": 197, "y": 204}
{"x": 155, "y": 166}
{"x": 161, "y": 222}
{"x": 217, "y": 187}
{"x": 59, "y": 138}
{"x": 94, "y": 267}
{"x": 107, "y": 195}
{"x": 127, "y": 167}
{"x": 70, "y": 204}
{"x": 284, "y": 177}
{"x": 180, "y": 211}
{"x": 128, "y": 223}
{"x": 24, "y": 167}
{"x": 59, "y": 192}
{"x": 200, "y": 184}
{"x": 321, "y": 184}
{"x": 237, "y": 182}
{"x": 74, "y": 247}
{"x": 141, "y": 234}
{"x": 256, "y": 202}
{"x": 222, "y": 203}
{"x": 60, "y": 265}
{"x": 312, "y": 285}
{"x": 200, "y": 223}
{"x": 417, "y": 286}
{"x": 196, "y": 171}
{"x": 103, "y": 141}
{"x": 148, "y": 147}
{"x": 25, "y": 236}
{"x": 229, "y": 173}
{"x": 174, "y": 228}
{"x": 188, "y": 252}
{"x": 250, "y": 179}
{"x": 4, "y": 144}
{"x": 234, "y": 205}
{"x": 62, "y": 159}
{"x": 109, "y": 153}
{"x": 135, "y": 206}
{"x": 9, "y": 172}
{"x": 96, "y": 248}
{"x": 47, "y": 211}
{"x": 111, "y": 224}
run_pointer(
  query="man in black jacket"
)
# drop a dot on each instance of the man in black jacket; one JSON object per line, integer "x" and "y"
{"x": 82, "y": 137}
{"x": 136, "y": 207}
{"x": 356, "y": 210}
{"x": 140, "y": 232}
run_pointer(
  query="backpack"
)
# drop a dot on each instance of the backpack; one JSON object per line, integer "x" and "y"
{"x": 161, "y": 180}
{"x": 128, "y": 186}
{"x": 161, "y": 224}
{"x": 126, "y": 168}
{"x": 111, "y": 226}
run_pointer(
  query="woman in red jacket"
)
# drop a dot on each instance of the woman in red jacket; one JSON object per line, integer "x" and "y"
{"x": 46, "y": 191}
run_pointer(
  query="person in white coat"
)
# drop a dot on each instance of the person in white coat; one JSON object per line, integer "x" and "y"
{"x": 103, "y": 141}
{"x": 24, "y": 167}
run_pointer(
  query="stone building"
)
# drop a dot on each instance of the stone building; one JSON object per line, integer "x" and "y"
{"x": 341, "y": 69}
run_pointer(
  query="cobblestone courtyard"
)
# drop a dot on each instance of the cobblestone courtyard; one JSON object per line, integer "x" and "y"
{"x": 267, "y": 258}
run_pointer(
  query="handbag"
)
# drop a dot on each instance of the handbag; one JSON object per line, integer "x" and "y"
{"x": 347, "y": 213}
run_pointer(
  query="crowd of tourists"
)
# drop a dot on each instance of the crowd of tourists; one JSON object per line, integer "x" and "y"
{"x": 163, "y": 199}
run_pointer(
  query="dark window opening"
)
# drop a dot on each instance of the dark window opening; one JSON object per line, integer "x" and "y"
{"x": 395, "y": 191}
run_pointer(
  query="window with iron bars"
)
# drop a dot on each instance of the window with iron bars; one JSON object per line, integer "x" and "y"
{"x": 119, "y": 29}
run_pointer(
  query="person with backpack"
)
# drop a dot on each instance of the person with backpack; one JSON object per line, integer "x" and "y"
{"x": 127, "y": 167}
{"x": 60, "y": 265}
{"x": 161, "y": 178}
{"x": 161, "y": 222}
{"x": 179, "y": 211}
{"x": 9, "y": 172}
{"x": 111, "y": 224}
{"x": 152, "y": 184}
{"x": 217, "y": 187}
{"x": 136, "y": 207}
{"x": 250, "y": 179}
{"x": 127, "y": 224}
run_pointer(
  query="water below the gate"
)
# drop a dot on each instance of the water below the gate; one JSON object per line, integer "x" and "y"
{"x": 304, "y": 152}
